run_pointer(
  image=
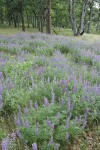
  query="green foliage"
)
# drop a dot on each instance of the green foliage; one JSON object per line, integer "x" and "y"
{"x": 45, "y": 131}
{"x": 73, "y": 79}
{"x": 45, "y": 89}
{"x": 13, "y": 98}
{"x": 2, "y": 134}
{"x": 46, "y": 51}
{"x": 63, "y": 48}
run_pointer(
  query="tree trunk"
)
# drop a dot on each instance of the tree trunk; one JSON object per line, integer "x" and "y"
{"x": 1, "y": 15}
{"x": 18, "y": 20}
{"x": 15, "y": 20}
{"x": 98, "y": 24}
{"x": 42, "y": 23}
{"x": 22, "y": 18}
{"x": 82, "y": 21}
{"x": 39, "y": 23}
{"x": 33, "y": 25}
{"x": 28, "y": 19}
{"x": 48, "y": 17}
{"x": 22, "y": 15}
{"x": 90, "y": 16}
{"x": 72, "y": 16}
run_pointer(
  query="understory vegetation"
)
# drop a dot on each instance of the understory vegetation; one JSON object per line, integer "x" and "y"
{"x": 49, "y": 92}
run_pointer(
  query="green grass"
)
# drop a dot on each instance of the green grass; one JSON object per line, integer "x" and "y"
{"x": 6, "y": 30}
{"x": 9, "y": 30}
{"x": 63, "y": 31}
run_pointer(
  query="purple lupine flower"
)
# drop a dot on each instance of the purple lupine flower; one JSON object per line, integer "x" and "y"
{"x": 68, "y": 105}
{"x": 1, "y": 88}
{"x": 13, "y": 136}
{"x": 19, "y": 108}
{"x": 41, "y": 70}
{"x": 27, "y": 124}
{"x": 52, "y": 126}
{"x": 36, "y": 105}
{"x": 31, "y": 105}
{"x": 75, "y": 88}
{"x": 32, "y": 80}
{"x": 46, "y": 103}
{"x": 17, "y": 122}
{"x": 83, "y": 97}
{"x": 61, "y": 102}
{"x": 5, "y": 144}
{"x": 23, "y": 122}
{"x": 84, "y": 123}
{"x": 1, "y": 102}
{"x": 63, "y": 81}
{"x": 48, "y": 80}
{"x": 36, "y": 130}
{"x": 53, "y": 97}
{"x": 72, "y": 106}
{"x": 19, "y": 134}
{"x": 48, "y": 122}
{"x": 51, "y": 140}
{"x": 26, "y": 110}
{"x": 1, "y": 76}
{"x": 67, "y": 122}
{"x": 87, "y": 97}
{"x": 56, "y": 146}
{"x": 67, "y": 135}
{"x": 86, "y": 113}
{"x": 58, "y": 116}
{"x": 66, "y": 90}
{"x": 34, "y": 146}
{"x": 8, "y": 83}
{"x": 19, "y": 115}
{"x": 80, "y": 119}
{"x": 70, "y": 115}
{"x": 14, "y": 117}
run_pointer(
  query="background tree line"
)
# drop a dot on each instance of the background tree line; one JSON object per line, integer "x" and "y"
{"x": 79, "y": 15}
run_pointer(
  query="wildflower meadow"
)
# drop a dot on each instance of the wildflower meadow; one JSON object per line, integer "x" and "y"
{"x": 49, "y": 92}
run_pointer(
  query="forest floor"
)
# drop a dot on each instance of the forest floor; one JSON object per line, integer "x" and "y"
{"x": 5, "y": 30}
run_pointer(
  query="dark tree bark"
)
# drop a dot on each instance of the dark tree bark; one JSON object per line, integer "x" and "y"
{"x": 22, "y": 15}
{"x": 15, "y": 20}
{"x": 72, "y": 16}
{"x": 28, "y": 21}
{"x": 42, "y": 23}
{"x": 48, "y": 17}
{"x": 39, "y": 23}
{"x": 82, "y": 21}
{"x": 90, "y": 15}
{"x": 98, "y": 24}
{"x": 1, "y": 15}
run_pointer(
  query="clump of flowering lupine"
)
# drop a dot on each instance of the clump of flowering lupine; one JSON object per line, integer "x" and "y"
{"x": 50, "y": 125}
{"x": 73, "y": 82}
{"x": 5, "y": 144}
{"x": 9, "y": 142}
{"x": 45, "y": 45}
{"x": 1, "y": 91}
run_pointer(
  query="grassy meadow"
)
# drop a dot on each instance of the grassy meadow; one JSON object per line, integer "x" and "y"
{"x": 49, "y": 90}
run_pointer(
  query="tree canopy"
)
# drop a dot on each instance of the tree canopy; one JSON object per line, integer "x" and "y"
{"x": 79, "y": 15}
